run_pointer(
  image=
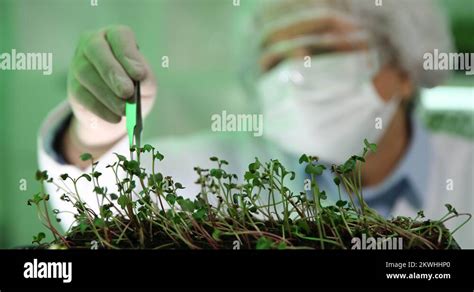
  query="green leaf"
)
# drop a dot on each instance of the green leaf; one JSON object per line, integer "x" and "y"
{"x": 264, "y": 243}
{"x": 123, "y": 201}
{"x": 99, "y": 222}
{"x": 321, "y": 168}
{"x": 38, "y": 197}
{"x": 362, "y": 159}
{"x": 200, "y": 214}
{"x": 451, "y": 209}
{"x": 323, "y": 195}
{"x": 147, "y": 148}
{"x": 337, "y": 181}
{"x": 292, "y": 175}
{"x": 178, "y": 185}
{"x": 349, "y": 165}
{"x": 38, "y": 238}
{"x": 214, "y": 158}
{"x": 86, "y": 156}
{"x": 155, "y": 179}
{"x": 171, "y": 199}
{"x": 186, "y": 205}
{"x": 83, "y": 226}
{"x": 132, "y": 166}
{"x": 105, "y": 211}
{"x": 281, "y": 245}
{"x": 341, "y": 203}
{"x": 371, "y": 146}
{"x": 248, "y": 175}
{"x": 257, "y": 183}
{"x": 254, "y": 166}
{"x": 99, "y": 190}
{"x": 366, "y": 143}
{"x": 217, "y": 173}
{"x": 64, "y": 176}
{"x": 304, "y": 158}
{"x": 159, "y": 156}
{"x": 314, "y": 169}
{"x": 41, "y": 175}
{"x": 309, "y": 169}
{"x": 96, "y": 174}
{"x": 230, "y": 186}
{"x": 120, "y": 157}
{"x": 216, "y": 234}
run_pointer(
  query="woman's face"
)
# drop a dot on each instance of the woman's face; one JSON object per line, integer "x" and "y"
{"x": 389, "y": 81}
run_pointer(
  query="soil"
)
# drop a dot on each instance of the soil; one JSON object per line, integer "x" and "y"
{"x": 78, "y": 240}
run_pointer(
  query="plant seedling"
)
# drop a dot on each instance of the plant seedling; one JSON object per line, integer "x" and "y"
{"x": 259, "y": 212}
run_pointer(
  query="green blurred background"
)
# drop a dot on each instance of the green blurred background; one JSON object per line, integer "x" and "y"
{"x": 202, "y": 38}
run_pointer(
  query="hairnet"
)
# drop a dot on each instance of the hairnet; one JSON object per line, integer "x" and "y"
{"x": 403, "y": 30}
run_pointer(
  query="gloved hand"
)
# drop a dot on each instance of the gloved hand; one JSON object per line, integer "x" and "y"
{"x": 100, "y": 80}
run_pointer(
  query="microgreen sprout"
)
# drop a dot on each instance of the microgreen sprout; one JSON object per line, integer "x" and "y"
{"x": 259, "y": 211}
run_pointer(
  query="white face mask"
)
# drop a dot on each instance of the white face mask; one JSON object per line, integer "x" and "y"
{"x": 327, "y": 109}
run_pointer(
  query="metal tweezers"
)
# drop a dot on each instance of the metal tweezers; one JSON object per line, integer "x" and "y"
{"x": 133, "y": 114}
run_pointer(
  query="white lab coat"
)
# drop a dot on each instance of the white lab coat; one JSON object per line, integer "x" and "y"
{"x": 452, "y": 159}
